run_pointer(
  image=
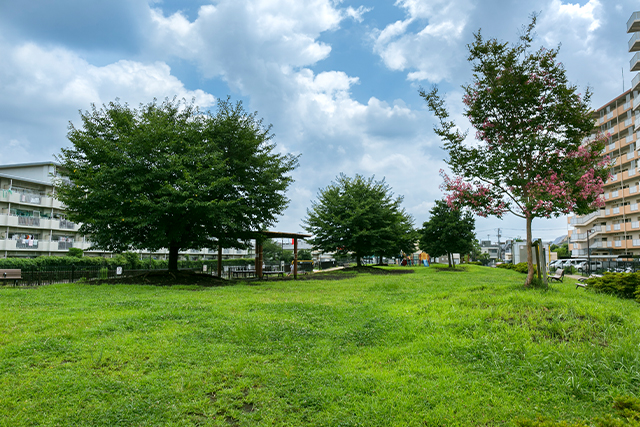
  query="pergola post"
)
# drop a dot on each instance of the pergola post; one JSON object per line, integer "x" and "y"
{"x": 295, "y": 257}
{"x": 258, "y": 265}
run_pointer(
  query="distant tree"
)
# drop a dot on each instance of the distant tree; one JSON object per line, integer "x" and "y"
{"x": 476, "y": 250}
{"x": 447, "y": 231}
{"x": 535, "y": 157}
{"x": 271, "y": 250}
{"x": 170, "y": 176}
{"x": 562, "y": 250}
{"x": 360, "y": 216}
{"x": 304, "y": 254}
{"x": 75, "y": 252}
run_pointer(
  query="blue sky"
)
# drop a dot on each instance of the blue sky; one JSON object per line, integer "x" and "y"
{"x": 338, "y": 80}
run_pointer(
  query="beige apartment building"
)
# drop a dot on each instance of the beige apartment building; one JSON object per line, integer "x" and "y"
{"x": 615, "y": 229}
{"x": 33, "y": 221}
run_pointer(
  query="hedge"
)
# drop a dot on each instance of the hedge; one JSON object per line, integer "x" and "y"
{"x": 623, "y": 285}
{"x": 127, "y": 260}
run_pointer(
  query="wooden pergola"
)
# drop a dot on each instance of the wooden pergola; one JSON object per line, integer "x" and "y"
{"x": 259, "y": 259}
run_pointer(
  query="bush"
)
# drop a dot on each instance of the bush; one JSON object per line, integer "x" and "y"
{"x": 628, "y": 408}
{"x": 127, "y": 260}
{"x": 623, "y": 285}
{"x": 75, "y": 252}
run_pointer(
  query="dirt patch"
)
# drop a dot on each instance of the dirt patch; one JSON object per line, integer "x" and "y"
{"x": 373, "y": 270}
{"x": 166, "y": 278}
{"x": 452, "y": 269}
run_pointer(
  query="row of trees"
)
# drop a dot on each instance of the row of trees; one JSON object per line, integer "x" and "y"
{"x": 168, "y": 175}
{"x": 361, "y": 216}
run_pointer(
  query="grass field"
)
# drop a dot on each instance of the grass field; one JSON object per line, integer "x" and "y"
{"x": 428, "y": 348}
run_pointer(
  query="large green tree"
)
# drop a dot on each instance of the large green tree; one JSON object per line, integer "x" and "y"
{"x": 534, "y": 155}
{"x": 360, "y": 216}
{"x": 167, "y": 175}
{"x": 448, "y": 231}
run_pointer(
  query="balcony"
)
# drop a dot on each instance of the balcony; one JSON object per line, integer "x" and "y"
{"x": 633, "y": 24}
{"x": 634, "y": 64}
{"x": 578, "y": 221}
{"x": 26, "y": 244}
{"x": 67, "y": 225}
{"x": 635, "y": 84}
{"x": 64, "y": 246}
{"x": 634, "y": 43}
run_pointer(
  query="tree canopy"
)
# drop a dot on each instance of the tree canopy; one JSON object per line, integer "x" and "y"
{"x": 448, "y": 231}
{"x": 167, "y": 175}
{"x": 360, "y": 216}
{"x": 537, "y": 153}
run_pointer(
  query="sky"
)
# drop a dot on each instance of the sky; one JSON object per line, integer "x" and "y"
{"x": 338, "y": 80}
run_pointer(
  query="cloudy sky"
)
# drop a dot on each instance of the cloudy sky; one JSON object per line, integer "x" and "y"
{"x": 337, "y": 79}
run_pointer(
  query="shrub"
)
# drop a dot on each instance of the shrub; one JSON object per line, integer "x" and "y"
{"x": 623, "y": 285}
{"x": 628, "y": 408}
{"x": 75, "y": 252}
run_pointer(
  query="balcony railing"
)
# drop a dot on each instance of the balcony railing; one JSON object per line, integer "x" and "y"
{"x": 67, "y": 224}
{"x": 585, "y": 219}
{"x": 27, "y": 244}
{"x": 634, "y": 64}
{"x": 29, "y": 220}
{"x": 35, "y": 199}
{"x": 633, "y": 24}
{"x": 63, "y": 246}
{"x": 634, "y": 83}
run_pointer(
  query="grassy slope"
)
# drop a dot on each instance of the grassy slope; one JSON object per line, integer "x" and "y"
{"x": 430, "y": 348}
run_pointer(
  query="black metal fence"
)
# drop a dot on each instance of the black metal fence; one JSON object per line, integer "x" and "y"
{"x": 66, "y": 274}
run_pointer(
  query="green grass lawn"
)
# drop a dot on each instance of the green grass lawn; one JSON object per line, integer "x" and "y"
{"x": 429, "y": 348}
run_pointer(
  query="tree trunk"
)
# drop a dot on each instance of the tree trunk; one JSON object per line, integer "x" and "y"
{"x": 358, "y": 261}
{"x": 173, "y": 256}
{"x": 449, "y": 257}
{"x": 530, "y": 271}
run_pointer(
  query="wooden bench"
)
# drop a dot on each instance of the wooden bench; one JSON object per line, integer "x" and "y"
{"x": 558, "y": 276}
{"x": 11, "y": 274}
{"x": 243, "y": 273}
{"x": 266, "y": 274}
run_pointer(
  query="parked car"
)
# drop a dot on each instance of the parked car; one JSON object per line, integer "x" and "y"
{"x": 573, "y": 262}
{"x": 556, "y": 263}
{"x": 595, "y": 265}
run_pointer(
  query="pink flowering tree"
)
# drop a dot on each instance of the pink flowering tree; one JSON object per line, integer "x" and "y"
{"x": 536, "y": 153}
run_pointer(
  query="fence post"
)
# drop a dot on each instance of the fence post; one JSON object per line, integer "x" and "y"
{"x": 73, "y": 271}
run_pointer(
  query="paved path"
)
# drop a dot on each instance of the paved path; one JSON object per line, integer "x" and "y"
{"x": 328, "y": 269}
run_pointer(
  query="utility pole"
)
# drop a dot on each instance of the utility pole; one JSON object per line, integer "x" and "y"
{"x": 499, "y": 257}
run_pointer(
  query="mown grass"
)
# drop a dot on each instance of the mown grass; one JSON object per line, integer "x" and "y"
{"x": 429, "y": 348}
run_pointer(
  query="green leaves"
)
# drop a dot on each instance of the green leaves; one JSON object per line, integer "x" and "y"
{"x": 448, "y": 231}
{"x": 168, "y": 175}
{"x": 360, "y": 215}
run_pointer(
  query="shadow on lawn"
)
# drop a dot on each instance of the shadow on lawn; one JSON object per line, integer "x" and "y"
{"x": 167, "y": 278}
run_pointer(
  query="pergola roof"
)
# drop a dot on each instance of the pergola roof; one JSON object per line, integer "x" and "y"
{"x": 276, "y": 234}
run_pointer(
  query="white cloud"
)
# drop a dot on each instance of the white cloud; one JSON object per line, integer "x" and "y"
{"x": 430, "y": 52}
{"x": 43, "y": 88}
{"x": 571, "y": 23}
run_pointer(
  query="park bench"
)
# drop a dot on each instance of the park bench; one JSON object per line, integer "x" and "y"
{"x": 582, "y": 282}
{"x": 558, "y": 276}
{"x": 266, "y": 274}
{"x": 243, "y": 273}
{"x": 11, "y": 274}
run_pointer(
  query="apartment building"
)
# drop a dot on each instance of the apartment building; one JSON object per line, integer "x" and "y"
{"x": 33, "y": 221}
{"x": 615, "y": 229}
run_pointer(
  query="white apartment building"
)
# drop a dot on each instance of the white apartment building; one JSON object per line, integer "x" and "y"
{"x": 33, "y": 222}
{"x": 615, "y": 229}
